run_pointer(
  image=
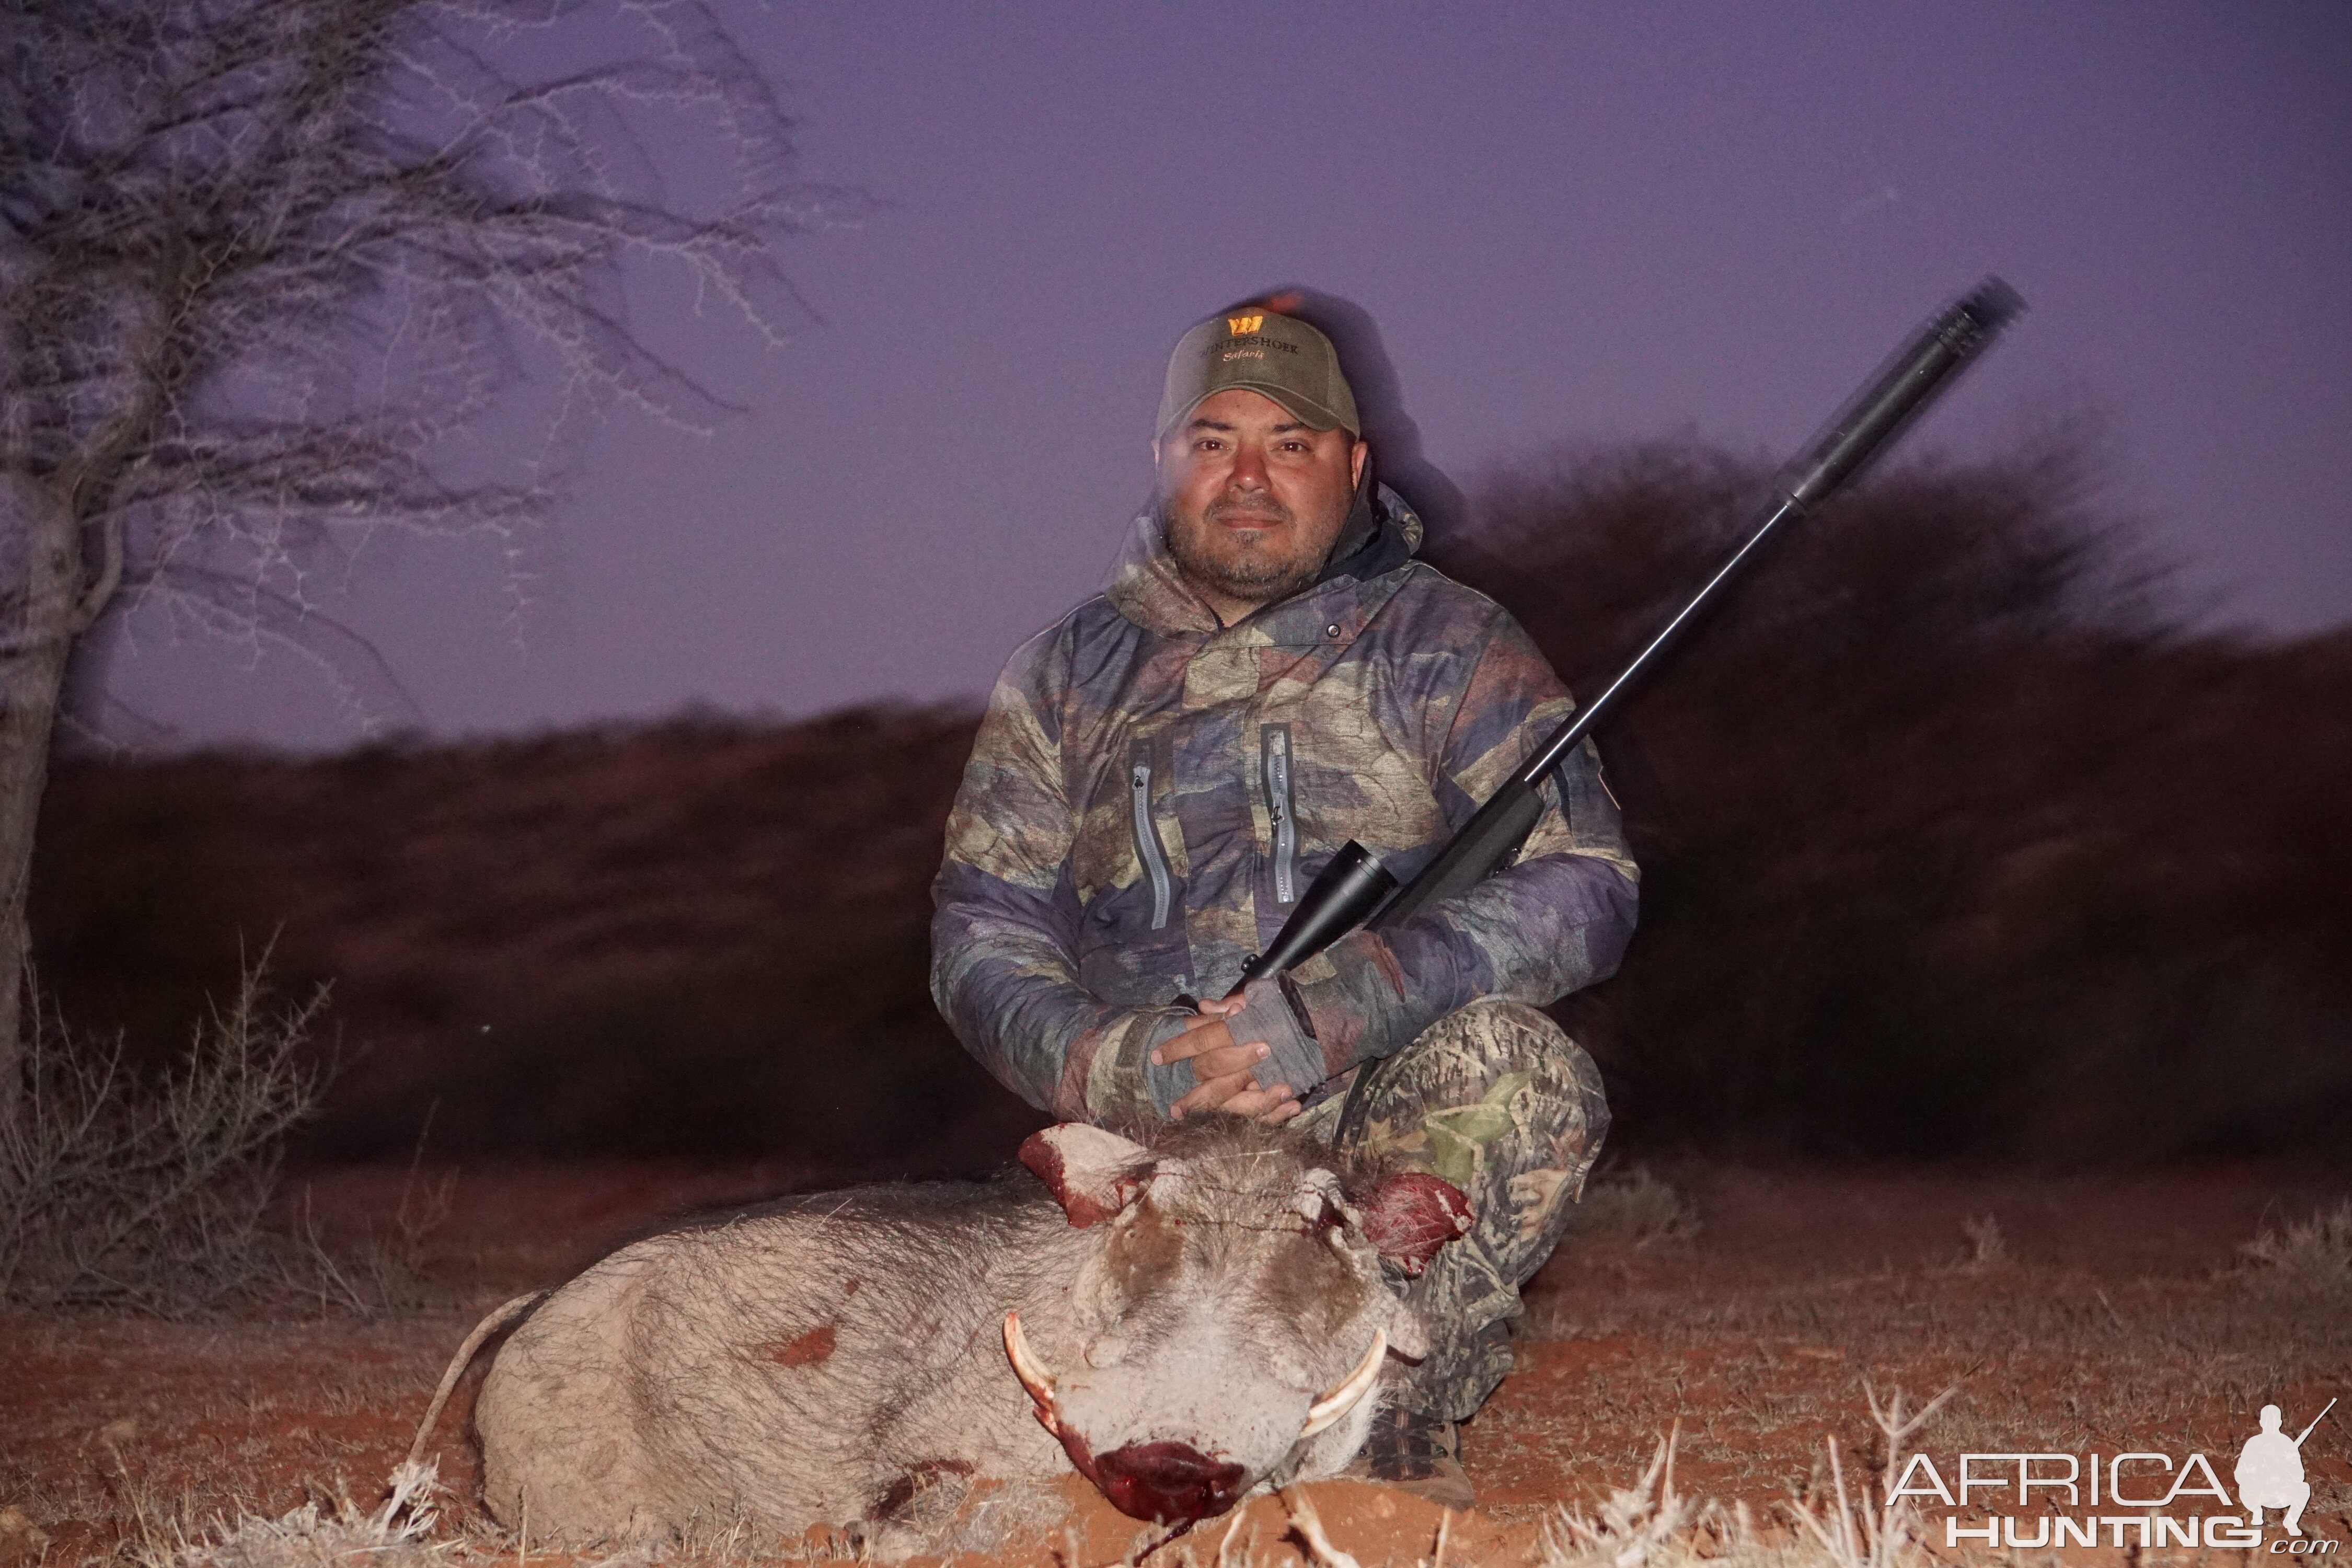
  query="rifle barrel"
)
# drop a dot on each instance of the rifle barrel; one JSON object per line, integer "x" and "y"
{"x": 1349, "y": 889}
{"x": 1862, "y": 429}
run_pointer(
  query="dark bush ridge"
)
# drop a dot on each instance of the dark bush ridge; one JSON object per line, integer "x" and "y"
{"x": 699, "y": 937}
{"x": 1950, "y": 845}
{"x": 1950, "y": 848}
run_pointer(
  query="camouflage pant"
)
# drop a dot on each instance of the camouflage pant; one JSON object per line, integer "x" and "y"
{"x": 1498, "y": 1100}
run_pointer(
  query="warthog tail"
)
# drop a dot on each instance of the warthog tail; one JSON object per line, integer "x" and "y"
{"x": 465, "y": 1358}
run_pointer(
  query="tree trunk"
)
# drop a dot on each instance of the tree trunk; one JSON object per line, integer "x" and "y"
{"x": 32, "y": 673}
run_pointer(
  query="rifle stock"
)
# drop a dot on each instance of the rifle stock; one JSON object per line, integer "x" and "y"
{"x": 1485, "y": 843}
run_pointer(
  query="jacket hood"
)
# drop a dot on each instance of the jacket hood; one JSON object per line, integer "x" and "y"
{"x": 1382, "y": 533}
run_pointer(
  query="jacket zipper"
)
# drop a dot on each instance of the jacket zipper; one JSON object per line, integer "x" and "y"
{"x": 1147, "y": 835}
{"x": 1274, "y": 742}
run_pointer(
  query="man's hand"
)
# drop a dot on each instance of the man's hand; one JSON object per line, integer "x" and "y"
{"x": 1223, "y": 1068}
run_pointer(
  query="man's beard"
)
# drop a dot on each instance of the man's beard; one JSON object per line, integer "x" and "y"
{"x": 1249, "y": 573}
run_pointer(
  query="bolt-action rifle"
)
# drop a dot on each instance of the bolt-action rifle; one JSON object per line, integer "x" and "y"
{"x": 1354, "y": 890}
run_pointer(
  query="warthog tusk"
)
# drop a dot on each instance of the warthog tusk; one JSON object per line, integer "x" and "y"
{"x": 1342, "y": 1399}
{"x": 1034, "y": 1377}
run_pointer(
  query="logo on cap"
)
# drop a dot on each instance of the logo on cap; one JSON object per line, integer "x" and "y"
{"x": 1240, "y": 326}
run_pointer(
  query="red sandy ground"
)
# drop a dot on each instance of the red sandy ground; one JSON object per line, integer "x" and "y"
{"x": 2119, "y": 1319}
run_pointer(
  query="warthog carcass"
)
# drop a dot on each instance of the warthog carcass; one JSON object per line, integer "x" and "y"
{"x": 1184, "y": 1323}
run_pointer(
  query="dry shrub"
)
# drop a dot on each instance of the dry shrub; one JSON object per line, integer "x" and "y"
{"x": 2316, "y": 1251}
{"x": 123, "y": 1191}
{"x": 1987, "y": 1245}
{"x": 1635, "y": 1205}
{"x": 381, "y": 1270}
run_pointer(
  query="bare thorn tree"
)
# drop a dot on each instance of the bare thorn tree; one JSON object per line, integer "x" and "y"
{"x": 261, "y": 261}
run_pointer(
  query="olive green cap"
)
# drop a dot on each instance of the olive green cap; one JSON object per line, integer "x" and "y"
{"x": 1261, "y": 351}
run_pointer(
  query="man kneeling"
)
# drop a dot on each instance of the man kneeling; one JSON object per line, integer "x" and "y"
{"x": 1161, "y": 774}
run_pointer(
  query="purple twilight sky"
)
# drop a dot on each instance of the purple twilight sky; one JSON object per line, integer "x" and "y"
{"x": 1575, "y": 223}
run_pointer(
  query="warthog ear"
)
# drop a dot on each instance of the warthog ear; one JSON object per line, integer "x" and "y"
{"x": 1092, "y": 1174}
{"x": 1408, "y": 1216}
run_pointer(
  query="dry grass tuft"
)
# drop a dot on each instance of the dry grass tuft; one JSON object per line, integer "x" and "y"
{"x": 1653, "y": 1524}
{"x": 312, "y": 1536}
{"x": 1649, "y": 1520}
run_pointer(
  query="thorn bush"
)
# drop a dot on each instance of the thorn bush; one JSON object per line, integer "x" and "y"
{"x": 148, "y": 1191}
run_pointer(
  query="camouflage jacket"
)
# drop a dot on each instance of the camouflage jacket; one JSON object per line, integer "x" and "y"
{"x": 1151, "y": 791}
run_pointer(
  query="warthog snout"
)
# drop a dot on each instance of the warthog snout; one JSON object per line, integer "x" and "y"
{"x": 1168, "y": 1483}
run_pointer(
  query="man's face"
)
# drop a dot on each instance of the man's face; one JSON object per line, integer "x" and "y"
{"x": 1254, "y": 498}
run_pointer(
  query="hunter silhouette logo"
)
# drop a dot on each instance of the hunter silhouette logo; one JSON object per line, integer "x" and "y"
{"x": 2270, "y": 1471}
{"x": 1241, "y": 326}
